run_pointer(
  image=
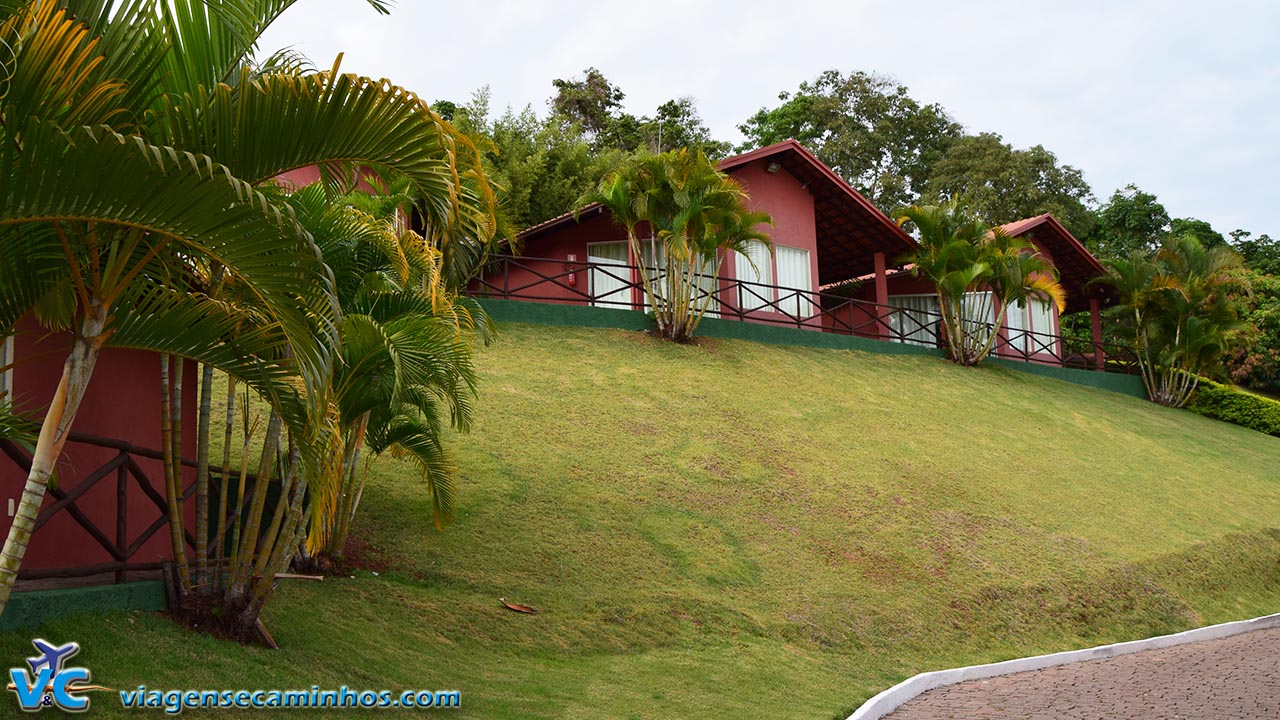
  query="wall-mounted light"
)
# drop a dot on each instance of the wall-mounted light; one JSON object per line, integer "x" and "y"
{"x": 772, "y": 167}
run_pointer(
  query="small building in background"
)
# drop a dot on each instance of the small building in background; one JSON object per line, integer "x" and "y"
{"x": 836, "y": 266}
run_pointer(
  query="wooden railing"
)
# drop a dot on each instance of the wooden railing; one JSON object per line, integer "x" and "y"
{"x": 560, "y": 281}
{"x": 121, "y": 543}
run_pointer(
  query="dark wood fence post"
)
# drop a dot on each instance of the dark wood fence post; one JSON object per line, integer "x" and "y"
{"x": 122, "y": 519}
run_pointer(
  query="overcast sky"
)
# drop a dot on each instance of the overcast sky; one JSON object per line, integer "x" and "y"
{"x": 1181, "y": 98}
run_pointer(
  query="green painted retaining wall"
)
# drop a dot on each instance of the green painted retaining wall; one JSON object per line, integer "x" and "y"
{"x": 583, "y": 316}
{"x": 27, "y": 610}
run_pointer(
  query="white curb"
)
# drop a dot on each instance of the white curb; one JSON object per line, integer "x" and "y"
{"x": 889, "y": 700}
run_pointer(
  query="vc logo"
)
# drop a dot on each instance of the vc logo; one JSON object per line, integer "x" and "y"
{"x": 50, "y": 683}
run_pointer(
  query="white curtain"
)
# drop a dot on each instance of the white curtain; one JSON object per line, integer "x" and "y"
{"x": 916, "y": 319}
{"x": 794, "y": 273}
{"x": 754, "y": 297}
{"x": 609, "y": 285}
{"x": 653, "y": 257}
{"x": 1042, "y": 313}
{"x": 1015, "y": 321}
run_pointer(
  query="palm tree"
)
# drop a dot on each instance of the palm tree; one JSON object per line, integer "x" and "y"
{"x": 979, "y": 272}
{"x": 1179, "y": 313}
{"x": 693, "y": 212}
{"x": 405, "y": 369}
{"x": 136, "y": 140}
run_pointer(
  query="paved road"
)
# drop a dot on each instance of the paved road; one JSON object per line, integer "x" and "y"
{"x": 1235, "y": 678}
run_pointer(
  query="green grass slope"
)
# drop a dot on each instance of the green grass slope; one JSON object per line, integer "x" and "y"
{"x": 739, "y": 530}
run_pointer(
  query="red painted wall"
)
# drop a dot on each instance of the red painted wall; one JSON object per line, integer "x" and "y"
{"x": 547, "y": 256}
{"x": 791, "y": 206}
{"x": 122, "y": 402}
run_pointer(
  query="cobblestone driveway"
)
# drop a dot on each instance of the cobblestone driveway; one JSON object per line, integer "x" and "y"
{"x": 1234, "y": 678}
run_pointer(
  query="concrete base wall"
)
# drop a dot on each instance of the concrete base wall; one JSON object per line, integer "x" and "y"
{"x": 31, "y": 609}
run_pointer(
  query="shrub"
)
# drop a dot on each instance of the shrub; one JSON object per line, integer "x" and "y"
{"x": 1229, "y": 404}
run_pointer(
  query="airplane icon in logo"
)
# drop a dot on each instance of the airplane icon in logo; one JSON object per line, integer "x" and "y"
{"x": 53, "y": 657}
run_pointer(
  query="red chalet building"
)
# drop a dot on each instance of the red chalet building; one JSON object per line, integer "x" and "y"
{"x": 836, "y": 266}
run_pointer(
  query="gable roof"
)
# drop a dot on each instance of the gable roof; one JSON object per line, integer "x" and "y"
{"x": 1077, "y": 267}
{"x": 850, "y": 230}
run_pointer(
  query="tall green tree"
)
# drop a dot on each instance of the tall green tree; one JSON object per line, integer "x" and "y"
{"x": 979, "y": 272}
{"x": 693, "y": 214}
{"x": 1002, "y": 184}
{"x": 137, "y": 142}
{"x": 865, "y": 127}
{"x": 1202, "y": 231}
{"x": 591, "y": 101}
{"x": 1254, "y": 358}
{"x": 1131, "y": 221}
{"x": 1260, "y": 253}
{"x": 540, "y": 165}
{"x": 594, "y": 104}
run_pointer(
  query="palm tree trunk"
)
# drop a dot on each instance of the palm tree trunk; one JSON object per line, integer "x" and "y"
{"x": 350, "y": 496}
{"x": 242, "y": 564}
{"x": 634, "y": 243}
{"x": 287, "y": 543}
{"x": 202, "y": 475}
{"x": 233, "y": 523}
{"x": 224, "y": 485}
{"x": 76, "y": 372}
{"x": 272, "y": 534}
{"x": 171, "y": 440}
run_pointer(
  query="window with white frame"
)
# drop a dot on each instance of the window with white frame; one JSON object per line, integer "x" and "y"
{"x": 794, "y": 281}
{"x": 914, "y": 319}
{"x": 6, "y": 372}
{"x": 1030, "y": 328}
{"x": 609, "y": 277}
{"x": 754, "y": 270}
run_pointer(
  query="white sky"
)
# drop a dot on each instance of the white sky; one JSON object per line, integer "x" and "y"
{"x": 1181, "y": 98}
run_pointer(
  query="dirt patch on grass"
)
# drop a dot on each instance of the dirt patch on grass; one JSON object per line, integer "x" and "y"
{"x": 364, "y": 555}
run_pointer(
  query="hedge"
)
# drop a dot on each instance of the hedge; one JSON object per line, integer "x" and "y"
{"x": 1228, "y": 404}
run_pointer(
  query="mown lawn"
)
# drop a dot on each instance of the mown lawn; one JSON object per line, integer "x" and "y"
{"x": 739, "y": 530}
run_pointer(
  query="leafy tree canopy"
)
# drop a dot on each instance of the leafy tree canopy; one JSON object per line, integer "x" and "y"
{"x": 544, "y": 164}
{"x": 593, "y": 102}
{"x": 866, "y": 128}
{"x": 1198, "y": 229}
{"x": 1002, "y": 184}
{"x": 595, "y": 105}
{"x": 1256, "y": 361}
{"x": 1261, "y": 253}
{"x": 1131, "y": 221}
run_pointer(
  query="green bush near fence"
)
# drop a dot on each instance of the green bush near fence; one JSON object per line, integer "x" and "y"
{"x": 1222, "y": 402}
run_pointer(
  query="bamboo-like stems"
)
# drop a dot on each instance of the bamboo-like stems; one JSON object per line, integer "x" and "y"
{"x": 170, "y": 438}
{"x": 287, "y": 542}
{"x": 268, "y": 540}
{"x": 224, "y": 482}
{"x": 202, "y": 474}
{"x": 349, "y": 499}
{"x": 202, "y": 459}
{"x": 242, "y": 563}
{"x": 244, "y": 471}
